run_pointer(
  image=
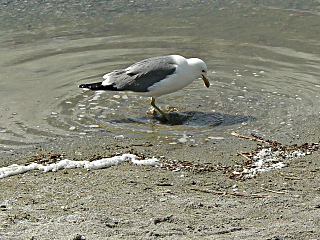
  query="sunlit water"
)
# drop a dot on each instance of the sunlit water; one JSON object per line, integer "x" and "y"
{"x": 263, "y": 64}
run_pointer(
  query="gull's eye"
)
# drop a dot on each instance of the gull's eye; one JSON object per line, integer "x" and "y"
{"x": 203, "y": 71}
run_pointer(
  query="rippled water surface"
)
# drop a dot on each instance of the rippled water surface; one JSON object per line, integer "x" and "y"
{"x": 263, "y": 64}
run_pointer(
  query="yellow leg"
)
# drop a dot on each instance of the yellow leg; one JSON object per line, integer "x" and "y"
{"x": 153, "y": 104}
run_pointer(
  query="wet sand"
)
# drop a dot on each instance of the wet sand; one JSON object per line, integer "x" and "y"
{"x": 140, "y": 202}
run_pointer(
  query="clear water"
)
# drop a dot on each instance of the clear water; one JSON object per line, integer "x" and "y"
{"x": 263, "y": 60}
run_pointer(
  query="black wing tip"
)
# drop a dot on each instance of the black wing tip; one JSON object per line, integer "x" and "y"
{"x": 83, "y": 86}
{"x": 98, "y": 86}
{"x": 92, "y": 86}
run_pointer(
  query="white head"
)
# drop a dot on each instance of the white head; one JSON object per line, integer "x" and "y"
{"x": 200, "y": 69}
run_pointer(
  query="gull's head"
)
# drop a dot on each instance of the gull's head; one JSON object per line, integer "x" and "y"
{"x": 200, "y": 69}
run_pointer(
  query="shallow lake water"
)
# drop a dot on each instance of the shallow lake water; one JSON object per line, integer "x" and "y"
{"x": 263, "y": 61}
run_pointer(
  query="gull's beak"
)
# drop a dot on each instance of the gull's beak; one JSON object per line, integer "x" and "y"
{"x": 206, "y": 80}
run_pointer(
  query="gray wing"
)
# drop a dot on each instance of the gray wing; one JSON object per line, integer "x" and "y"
{"x": 141, "y": 75}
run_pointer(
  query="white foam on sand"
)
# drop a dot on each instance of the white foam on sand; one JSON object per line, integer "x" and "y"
{"x": 68, "y": 164}
{"x": 266, "y": 160}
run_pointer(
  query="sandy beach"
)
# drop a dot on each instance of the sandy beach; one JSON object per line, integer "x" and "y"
{"x": 142, "y": 202}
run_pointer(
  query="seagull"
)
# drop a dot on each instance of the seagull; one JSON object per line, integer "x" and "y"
{"x": 154, "y": 77}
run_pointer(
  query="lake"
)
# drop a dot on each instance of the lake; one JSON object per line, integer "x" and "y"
{"x": 263, "y": 63}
